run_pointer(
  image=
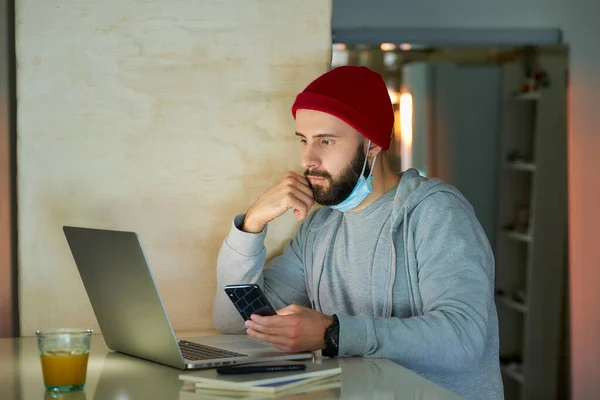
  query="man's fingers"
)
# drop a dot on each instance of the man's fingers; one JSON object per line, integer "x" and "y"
{"x": 300, "y": 183}
{"x": 291, "y": 309}
{"x": 282, "y": 343}
{"x": 299, "y": 178}
{"x": 302, "y": 207}
{"x": 270, "y": 321}
{"x": 273, "y": 339}
{"x": 298, "y": 194}
{"x": 283, "y": 324}
{"x": 303, "y": 197}
{"x": 304, "y": 188}
{"x": 270, "y": 330}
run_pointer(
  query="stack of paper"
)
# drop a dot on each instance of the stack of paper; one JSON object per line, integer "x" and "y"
{"x": 207, "y": 383}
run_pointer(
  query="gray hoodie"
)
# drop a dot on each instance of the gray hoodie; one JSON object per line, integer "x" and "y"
{"x": 435, "y": 239}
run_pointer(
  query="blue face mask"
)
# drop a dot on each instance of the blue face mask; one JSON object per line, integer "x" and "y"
{"x": 363, "y": 188}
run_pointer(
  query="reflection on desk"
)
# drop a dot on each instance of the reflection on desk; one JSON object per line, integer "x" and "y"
{"x": 115, "y": 376}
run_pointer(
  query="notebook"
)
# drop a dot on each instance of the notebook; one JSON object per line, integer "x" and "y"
{"x": 320, "y": 388}
{"x": 267, "y": 382}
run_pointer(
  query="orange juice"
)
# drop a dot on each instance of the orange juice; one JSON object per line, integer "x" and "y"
{"x": 64, "y": 369}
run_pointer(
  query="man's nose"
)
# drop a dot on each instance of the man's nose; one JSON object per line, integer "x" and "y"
{"x": 310, "y": 159}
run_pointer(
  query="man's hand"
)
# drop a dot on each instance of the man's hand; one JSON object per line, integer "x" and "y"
{"x": 291, "y": 192}
{"x": 294, "y": 329}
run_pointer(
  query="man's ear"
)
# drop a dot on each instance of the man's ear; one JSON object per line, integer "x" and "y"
{"x": 373, "y": 151}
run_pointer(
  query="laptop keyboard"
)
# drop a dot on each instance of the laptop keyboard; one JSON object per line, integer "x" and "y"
{"x": 196, "y": 351}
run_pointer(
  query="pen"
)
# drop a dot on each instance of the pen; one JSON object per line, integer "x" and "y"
{"x": 251, "y": 369}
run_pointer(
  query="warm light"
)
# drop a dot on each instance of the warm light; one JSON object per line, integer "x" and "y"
{"x": 406, "y": 130}
{"x": 406, "y": 114}
{"x": 388, "y": 46}
{"x": 397, "y": 129}
{"x": 339, "y": 47}
{"x": 405, "y": 47}
{"x": 394, "y": 96}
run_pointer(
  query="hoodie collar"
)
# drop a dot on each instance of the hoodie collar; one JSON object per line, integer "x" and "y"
{"x": 411, "y": 190}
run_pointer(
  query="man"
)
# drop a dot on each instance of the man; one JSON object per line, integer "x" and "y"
{"x": 392, "y": 266}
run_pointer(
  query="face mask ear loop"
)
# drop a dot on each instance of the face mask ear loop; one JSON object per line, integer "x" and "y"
{"x": 372, "y": 164}
{"x": 362, "y": 173}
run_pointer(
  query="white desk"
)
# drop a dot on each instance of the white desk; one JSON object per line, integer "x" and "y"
{"x": 119, "y": 377}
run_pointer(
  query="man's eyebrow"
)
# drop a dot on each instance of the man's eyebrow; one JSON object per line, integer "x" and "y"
{"x": 320, "y": 135}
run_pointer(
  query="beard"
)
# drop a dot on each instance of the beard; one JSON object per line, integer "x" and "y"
{"x": 340, "y": 187}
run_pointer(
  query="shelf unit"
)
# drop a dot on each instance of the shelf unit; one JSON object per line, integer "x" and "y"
{"x": 532, "y": 218}
{"x": 513, "y": 373}
{"x": 520, "y": 236}
{"x": 511, "y": 303}
{"x": 530, "y": 96}
{"x": 520, "y": 166}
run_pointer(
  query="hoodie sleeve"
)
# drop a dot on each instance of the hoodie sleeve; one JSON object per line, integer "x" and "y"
{"x": 241, "y": 260}
{"x": 455, "y": 267}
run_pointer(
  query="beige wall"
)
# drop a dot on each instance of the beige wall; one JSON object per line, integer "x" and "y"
{"x": 162, "y": 117}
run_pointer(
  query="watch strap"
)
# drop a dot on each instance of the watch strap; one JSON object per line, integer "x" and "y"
{"x": 332, "y": 336}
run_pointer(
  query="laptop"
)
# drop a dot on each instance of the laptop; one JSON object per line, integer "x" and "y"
{"x": 132, "y": 316}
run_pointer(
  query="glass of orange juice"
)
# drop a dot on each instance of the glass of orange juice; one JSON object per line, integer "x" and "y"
{"x": 64, "y": 354}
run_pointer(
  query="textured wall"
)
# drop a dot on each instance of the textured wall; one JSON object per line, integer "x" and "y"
{"x": 162, "y": 117}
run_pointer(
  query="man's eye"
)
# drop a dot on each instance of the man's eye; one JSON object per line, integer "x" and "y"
{"x": 303, "y": 141}
{"x": 327, "y": 142}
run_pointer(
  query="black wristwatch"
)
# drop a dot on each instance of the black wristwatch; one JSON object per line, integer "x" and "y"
{"x": 332, "y": 337}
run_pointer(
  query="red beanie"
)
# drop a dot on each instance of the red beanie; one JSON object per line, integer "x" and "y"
{"x": 357, "y": 96}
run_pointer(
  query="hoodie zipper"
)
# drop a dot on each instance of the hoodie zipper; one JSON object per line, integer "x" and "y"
{"x": 408, "y": 271}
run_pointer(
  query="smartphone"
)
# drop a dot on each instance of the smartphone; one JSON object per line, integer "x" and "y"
{"x": 249, "y": 299}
